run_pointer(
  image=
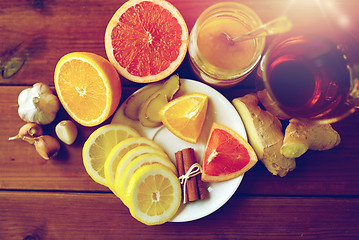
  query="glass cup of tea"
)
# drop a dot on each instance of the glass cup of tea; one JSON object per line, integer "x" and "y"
{"x": 310, "y": 77}
{"x": 217, "y": 60}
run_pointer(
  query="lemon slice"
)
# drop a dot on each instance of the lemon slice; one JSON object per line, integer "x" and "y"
{"x": 98, "y": 146}
{"x": 118, "y": 151}
{"x": 142, "y": 160}
{"x": 153, "y": 194}
{"x": 131, "y": 155}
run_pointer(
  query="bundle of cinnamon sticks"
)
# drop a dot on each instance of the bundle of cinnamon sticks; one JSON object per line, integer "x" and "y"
{"x": 194, "y": 188}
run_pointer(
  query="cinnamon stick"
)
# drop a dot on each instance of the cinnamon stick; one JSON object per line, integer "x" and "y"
{"x": 180, "y": 170}
{"x": 195, "y": 187}
{"x": 188, "y": 161}
{"x": 202, "y": 188}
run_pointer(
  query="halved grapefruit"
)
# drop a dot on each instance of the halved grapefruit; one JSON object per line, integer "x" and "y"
{"x": 146, "y": 40}
{"x": 227, "y": 155}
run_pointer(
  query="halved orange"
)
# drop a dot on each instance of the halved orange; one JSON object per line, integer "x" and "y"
{"x": 146, "y": 40}
{"x": 184, "y": 116}
{"x": 88, "y": 87}
{"x": 227, "y": 155}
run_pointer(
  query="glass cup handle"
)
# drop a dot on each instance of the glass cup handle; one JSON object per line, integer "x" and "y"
{"x": 354, "y": 88}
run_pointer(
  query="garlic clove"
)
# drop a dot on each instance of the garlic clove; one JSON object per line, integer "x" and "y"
{"x": 47, "y": 146}
{"x": 48, "y": 103}
{"x": 42, "y": 88}
{"x": 30, "y": 140}
{"x": 66, "y": 131}
{"x": 35, "y": 130}
{"x": 29, "y": 130}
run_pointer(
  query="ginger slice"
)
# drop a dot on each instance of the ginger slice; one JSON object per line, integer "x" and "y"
{"x": 265, "y": 134}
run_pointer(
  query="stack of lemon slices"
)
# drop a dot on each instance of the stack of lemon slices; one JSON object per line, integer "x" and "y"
{"x": 136, "y": 169}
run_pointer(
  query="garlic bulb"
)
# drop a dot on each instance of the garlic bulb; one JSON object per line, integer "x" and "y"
{"x": 38, "y": 104}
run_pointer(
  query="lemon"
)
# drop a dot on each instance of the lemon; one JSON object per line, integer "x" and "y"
{"x": 142, "y": 160}
{"x": 131, "y": 155}
{"x": 118, "y": 151}
{"x": 98, "y": 146}
{"x": 153, "y": 194}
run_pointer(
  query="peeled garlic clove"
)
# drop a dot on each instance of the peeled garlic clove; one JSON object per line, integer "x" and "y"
{"x": 47, "y": 146}
{"x": 29, "y": 130}
{"x": 66, "y": 131}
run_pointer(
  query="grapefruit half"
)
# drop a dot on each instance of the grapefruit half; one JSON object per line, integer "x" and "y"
{"x": 146, "y": 40}
{"x": 227, "y": 155}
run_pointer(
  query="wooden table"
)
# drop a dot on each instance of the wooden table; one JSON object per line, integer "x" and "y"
{"x": 58, "y": 200}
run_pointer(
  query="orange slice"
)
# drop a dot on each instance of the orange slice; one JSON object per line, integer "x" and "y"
{"x": 227, "y": 155}
{"x": 146, "y": 40}
{"x": 185, "y": 116}
{"x": 88, "y": 87}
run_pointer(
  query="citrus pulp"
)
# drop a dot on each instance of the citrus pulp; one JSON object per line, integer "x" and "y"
{"x": 119, "y": 150}
{"x": 133, "y": 166}
{"x": 98, "y": 146}
{"x": 146, "y": 40}
{"x": 154, "y": 194}
{"x": 184, "y": 116}
{"x": 227, "y": 155}
{"x": 88, "y": 87}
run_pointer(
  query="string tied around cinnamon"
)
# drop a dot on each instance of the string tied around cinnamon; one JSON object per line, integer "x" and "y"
{"x": 194, "y": 170}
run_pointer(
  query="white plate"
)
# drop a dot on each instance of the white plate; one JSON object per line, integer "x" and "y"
{"x": 219, "y": 110}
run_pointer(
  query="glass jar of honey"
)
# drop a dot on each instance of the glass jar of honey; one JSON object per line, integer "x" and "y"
{"x": 215, "y": 58}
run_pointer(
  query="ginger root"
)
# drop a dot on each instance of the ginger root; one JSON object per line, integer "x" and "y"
{"x": 265, "y": 134}
{"x": 302, "y": 135}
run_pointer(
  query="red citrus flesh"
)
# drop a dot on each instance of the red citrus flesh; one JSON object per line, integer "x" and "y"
{"x": 227, "y": 155}
{"x": 148, "y": 38}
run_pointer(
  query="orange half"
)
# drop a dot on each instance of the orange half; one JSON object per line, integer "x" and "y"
{"x": 88, "y": 87}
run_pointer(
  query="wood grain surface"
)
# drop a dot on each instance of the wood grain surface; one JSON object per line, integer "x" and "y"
{"x": 58, "y": 200}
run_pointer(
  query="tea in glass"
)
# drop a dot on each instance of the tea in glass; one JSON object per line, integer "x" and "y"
{"x": 309, "y": 77}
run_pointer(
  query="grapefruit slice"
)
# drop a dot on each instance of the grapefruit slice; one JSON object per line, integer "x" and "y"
{"x": 227, "y": 155}
{"x": 146, "y": 40}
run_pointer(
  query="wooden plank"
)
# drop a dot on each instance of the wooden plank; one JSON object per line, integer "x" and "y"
{"x": 332, "y": 172}
{"x": 103, "y": 216}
